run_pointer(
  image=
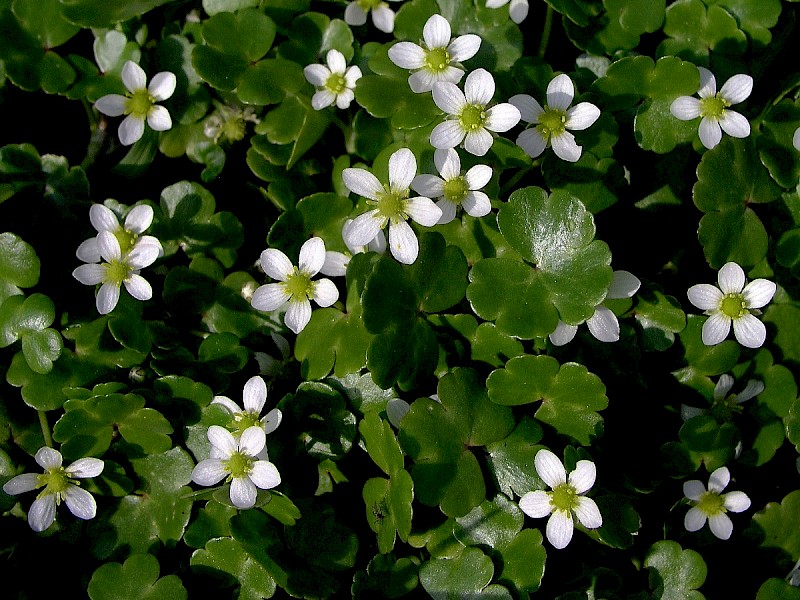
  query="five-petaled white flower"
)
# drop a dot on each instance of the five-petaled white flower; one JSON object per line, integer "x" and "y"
{"x": 118, "y": 269}
{"x": 565, "y": 498}
{"x": 237, "y": 459}
{"x": 295, "y": 287}
{"x": 733, "y": 302}
{"x": 254, "y": 397}
{"x": 724, "y": 405}
{"x": 439, "y": 59}
{"x": 59, "y": 484}
{"x": 392, "y": 205}
{"x": 713, "y": 107}
{"x": 518, "y": 9}
{"x": 102, "y": 218}
{"x": 334, "y": 83}
{"x": 454, "y": 189}
{"x": 382, "y": 15}
{"x": 139, "y": 104}
{"x": 469, "y": 119}
{"x": 336, "y": 262}
{"x": 551, "y": 123}
{"x": 603, "y": 323}
{"x": 711, "y": 505}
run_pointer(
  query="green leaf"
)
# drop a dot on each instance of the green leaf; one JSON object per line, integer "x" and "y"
{"x": 322, "y": 539}
{"x": 226, "y": 555}
{"x": 494, "y": 523}
{"x": 19, "y": 264}
{"x": 571, "y": 395}
{"x": 524, "y": 561}
{"x": 465, "y": 576}
{"x": 389, "y": 508}
{"x": 708, "y": 442}
{"x": 772, "y": 524}
{"x": 706, "y": 360}
{"x": 785, "y": 318}
{"x": 775, "y": 147}
{"x": 212, "y": 521}
{"x": 439, "y": 274}
{"x": 695, "y": 30}
{"x": 137, "y": 578}
{"x": 677, "y": 573}
{"x": 45, "y": 20}
{"x": 327, "y": 429}
{"x": 28, "y": 319}
{"x": 385, "y": 577}
{"x": 777, "y": 589}
{"x": 381, "y": 443}
{"x": 102, "y": 13}
{"x": 510, "y": 459}
{"x": 755, "y": 18}
{"x": 213, "y": 7}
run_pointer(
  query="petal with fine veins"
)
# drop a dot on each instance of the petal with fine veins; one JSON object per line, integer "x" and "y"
{"x": 362, "y": 182}
{"x": 402, "y": 169}
{"x": 423, "y": 211}
{"x": 162, "y": 86}
{"x": 312, "y": 256}
{"x": 276, "y": 264}
{"x": 403, "y": 242}
{"x": 560, "y": 92}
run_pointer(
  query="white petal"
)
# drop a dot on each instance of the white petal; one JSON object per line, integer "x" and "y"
{"x": 565, "y": 147}
{"x": 103, "y": 218}
{"x": 20, "y": 484}
{"x": 685, "y": 108}
{"x": 495, "y": 3}
{"x": 758, "y": 293}
{"x": 734, "y": 124}
{"x": 719, "y": 479}
{"x": 448, "y": 211}
{"x": 478, "y": 142}
{"x": 322, "y": 99}
{"x": 298, "y": 315}
{"x": 316, "y": 74}
{"x": 428, "y": 185}
{"x": 479, "y": 87}
{"x": 502, "y": 117}
{"x": 325, "y": 292}
{"x": 694, "y": 489}
{"x": 464, "y": 47}
{"x": 227, "y": 403}
{"x": 112, "y": 105}
{"x": 254, "y": 394}
{"x": 423, "y": 211}
{"x": 158, "y": 119}
{"x": 583, "y": 477}
{"x": 90, "y": 274}
{"x": 721, "y": 525}
{"x": 447, "y": 134}
{"x": 796, "y": 138}
{"x": 723, "y": 386}
{"x": 335, "y": 264}
{"x": 312, "y": 256}
{"x": 209, "y": 472}
{"x": 383, "y": 18}
{"x": 603, "y": 325}
{"x": 478, "y": 176}
{"x": 363, "y": 229}
{"x": 354, "y": 14}
{"x": 407, "y": 55}
{"x": 344, "y": 99}
{"x": 536, "y": 504}
{"x": 731, "y": 278}
{"x": 705, "y": 296}
{"x": 362, "y": 182}
{"x": 133, "y": 76}
{"x": 396, "y": 409}
{"x": 377, "y": 244}
{"x": 550, "y": 468}
{"x": 588, "y": 513}
{"x": 687, "y": 412}
{"x": 623, "y": 285}
{"x": 447, "y": 163}
{"x": 716, "y": 329}
{"x": 736, "y": 501}
{"x": 221, "y": 439}
{"x": 139, "y": 218}
{"x": 272, "y": 420}
{"x": 86, "y": 467}
{"x": 560, "y": 92}
{"x": 252, "y": 441}
{"x": 402, "y": 169}
{"x": 138, "y": 287}
{"x": 529, "y": 109}
{"x": 708, "y": 83}
{"x": 448, "y": 97}
{"x": 243, "y": 492}
{"x": 436, "y": 32}
{"x": 749, "y": 331}
{"x": 753, "y": 389}
{"x": 88, "y": 251}
{"x": 265, "y": 475}
{"x": 582, "y": 116}
{"x": 142, "y": 255}
{"x": 80, "y": 502}
{"x": 336, "y": 61}
{"x": 532, "y": 142}
{"x": 269, "y": 297}
{"x": 518, "y": 10}
{"x": 42, "y": 512}
{"x": 710, "y": 132}
{"x": 130, "y": 130}
{"x": 737, "y": 89}
{"x": 563, "y": 334}
{"x": 694, "y": 519}
{"x": 422, "y": 81}
{"x": 162, "y": 86}
{"x": 559, "y": 529}
{"x": 107, "y": 298}
{"x": 276, "y": 264}
{"x": 476, "y": 204}
{"x": 403, "y": 242}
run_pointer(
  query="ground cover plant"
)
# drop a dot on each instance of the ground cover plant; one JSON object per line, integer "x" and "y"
{"x": 423, "y": 298}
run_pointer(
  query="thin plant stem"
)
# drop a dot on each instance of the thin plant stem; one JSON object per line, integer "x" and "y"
{"x": 48, "y": 438}
{"x": 548, "y": 26}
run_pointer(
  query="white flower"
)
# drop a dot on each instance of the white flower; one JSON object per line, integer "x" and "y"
{"x": 336, "y": 262}
{"x": 382, "y": 15}
{"x": 603, "y": 323}
{"x": 551, "y": 123}
{"x": 565, "y": 498}
{"x": 713, "y": 107}
{"x": 334, "y": 83}
{"x": 733, "y": 302}
{"x": 439, "y": 59}
{"x": 469, "y": 118}
{"x": 254, "y": 398}
{"x": 58, "y": 483}
{"x": 295, "y": 287}
{"x": 139, "y": 104}
{"x": 712, "y": 505}
{"x": 518, "y": 9}
{"x": 454, "y": 189}
{"x": 725, "y": 405}
{"x": 237, "y": 460}
{"x": 228, "y": 123}
{"x": 118, "y": 269}
{"x": 102, "y": 218}
{"x": 392, "y": 205}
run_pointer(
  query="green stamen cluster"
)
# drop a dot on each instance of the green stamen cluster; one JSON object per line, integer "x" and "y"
{"x": 552, "y": 122}
{"x": 56, "y": 481}
{"x": 437, "y": 60}
{"x": 366, "y": 5}
{"x": 734, "y": 306}
{"x": 117, "y": 271}
{"x": 455, "y": 190}
{"x": 126, "y": 239}
{"x": 564, "y": 497}
{"x": 245, "y": 420}
{"x": 711, "y": 503}
{"x": 238, "y": 465}
{"x": 472, "y": 117}
{"x": 724, "y": 408}
{"x": 336, "y": 83}
{"x": 392, "y": 205}
{"x": 139, "y": 104}
{"x": 299, "y": 286}
{"x": 713, "y": 107}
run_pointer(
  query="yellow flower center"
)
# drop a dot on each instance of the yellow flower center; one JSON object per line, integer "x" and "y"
{"x": 244, "y": 420}
{"x": 336, "y": 83}
{"x": 552, "y": 122}
{"x": 126, "y": 239}
{"x": 564, "y": 497}
{"x": 238, "y": 465}
{"x": 733, "y": 306}
{"x": 713, "y": 107}
{"x": 472, "y": 117}
{"x": 366, "y": 5}
{"x": 391, "y": 205}
{"x": 299, "y": 286}
{"x": 139, "y": 103}
{"x": 711, "y": 503}
{"x": 117, "y": 271}
{"x": 55, "y": 482}
{"x": 455, "y": 190}
{"x": 437, "y": 60}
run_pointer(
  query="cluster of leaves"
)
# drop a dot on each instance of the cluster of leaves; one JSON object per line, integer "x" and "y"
{"x": 371, "y": 506}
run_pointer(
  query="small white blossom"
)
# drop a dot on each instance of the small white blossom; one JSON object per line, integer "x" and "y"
{"x": 334, "y": 83}
{"x": 553, "y": 123}
{"x": 129, "y": 234}
{"x": 228, "y": 122}
{"x": 295, "y": 287}
{"x": 453, "y": 189}
{"x": 118, "y": 269}
{"x": 603, "y": 323}
{"x": 711, "y": 505}
{"x": 59, "y": 484}
{"x": 139, "y": 104}
{"x": 565, "y": 499}
{"x": 237, "y": 459}
{"x": 713, "y": 107}
{"x": 733, "y": 302}
{"x": 392, "y": 206}
{"x": 336, "y": 262}
{"x": 518, "y": 9}
{"x": 724, "y": 405}
{"x": 438, "y": 59}
{"x": 254, "y": 398}
{"x": 382, "y": 15}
